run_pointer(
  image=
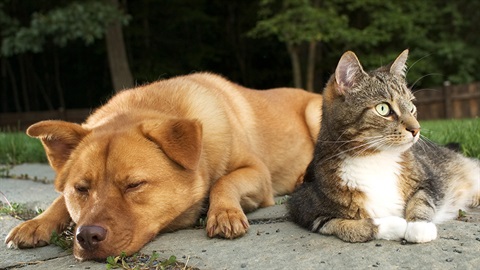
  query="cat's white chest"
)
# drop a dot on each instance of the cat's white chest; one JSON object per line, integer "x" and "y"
{"x": 377, "y": 176}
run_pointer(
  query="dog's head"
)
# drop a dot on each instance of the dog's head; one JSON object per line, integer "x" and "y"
{"x": 125, "y": 183}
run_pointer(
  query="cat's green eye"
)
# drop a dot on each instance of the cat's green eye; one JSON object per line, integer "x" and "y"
{"x": 383, "y": 109}
{"x": 411, "y": 107}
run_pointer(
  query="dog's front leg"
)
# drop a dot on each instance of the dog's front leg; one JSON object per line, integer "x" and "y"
{"x": 247, "y": 187}
{"x": 37, "y": 232}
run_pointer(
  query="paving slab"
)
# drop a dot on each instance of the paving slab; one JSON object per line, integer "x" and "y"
{"x": 272, "y": 242}
{"x": 35, "y": 195}
{"x": 285, "y": 246}
{"x": 15, "y": 257}
{"x": 29, "y": 184}
{"x": 34, "y": 171}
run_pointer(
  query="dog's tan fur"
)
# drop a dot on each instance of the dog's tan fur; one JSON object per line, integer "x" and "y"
{"x": 147, "y": 161}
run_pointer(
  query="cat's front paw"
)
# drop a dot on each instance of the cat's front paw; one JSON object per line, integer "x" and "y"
{"x": 420, "y": 232}
{"x": 390, "y": 228}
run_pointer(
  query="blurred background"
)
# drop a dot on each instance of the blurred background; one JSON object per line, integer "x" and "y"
{"x": 68, "y": 57}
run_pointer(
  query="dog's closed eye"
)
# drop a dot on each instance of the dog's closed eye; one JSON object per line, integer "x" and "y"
{"x": 81, "y": 189}
{"x": 134, "y": 186}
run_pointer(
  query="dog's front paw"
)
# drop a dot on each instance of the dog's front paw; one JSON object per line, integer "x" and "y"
{"x": 228, "y": 223}
{"x": 32, "y": 233}
{"x": 420, "y": 232}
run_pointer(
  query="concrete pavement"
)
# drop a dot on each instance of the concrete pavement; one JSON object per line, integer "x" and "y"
{"x": 271, "y": 243}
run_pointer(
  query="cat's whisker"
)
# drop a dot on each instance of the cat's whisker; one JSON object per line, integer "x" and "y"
{"x": 333, "y": 142}
{"x": 382, "y": 144}
{"x": 414, "y": 63}
{"x": 424, "y": 141}
{"x": 340, "y": 141}
{"x": 387, "y": 145}
{"x": 376, "y": 144}
{"x": 344, "y": 143}
{"x": 422, "y": 144}
{"x": 427, "y": 131}
{"x": 427, "y": 140}
{"x": 425, "y": 89}
{"x": 354, "y": 140}
{"x": 366, "y": 145}
{"x": 424, "y": 76}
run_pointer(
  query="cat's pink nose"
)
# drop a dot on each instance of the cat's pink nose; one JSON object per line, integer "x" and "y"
{"x": 414, "y": 131}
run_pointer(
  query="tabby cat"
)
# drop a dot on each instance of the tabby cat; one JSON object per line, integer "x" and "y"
{"x": 371, "y": 177}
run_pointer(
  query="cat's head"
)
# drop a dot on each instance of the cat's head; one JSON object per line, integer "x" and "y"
{"x": 372, "y": 111}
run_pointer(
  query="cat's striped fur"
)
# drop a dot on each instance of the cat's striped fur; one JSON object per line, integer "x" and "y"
{"x": 371, "y": 176}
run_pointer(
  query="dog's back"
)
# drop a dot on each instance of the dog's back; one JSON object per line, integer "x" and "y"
{"x": 271, "y": 123}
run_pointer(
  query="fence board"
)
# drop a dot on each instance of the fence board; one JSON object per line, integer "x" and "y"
{"x": 20, "y": 121}
{"x": 450, "y": 101}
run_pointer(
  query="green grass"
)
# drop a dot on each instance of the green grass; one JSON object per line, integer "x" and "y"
{"x": 464, "y": 131}
{"x": 142, "y": 261}
{"x": 17, "y": 210}
{"x": 17, "y": 148}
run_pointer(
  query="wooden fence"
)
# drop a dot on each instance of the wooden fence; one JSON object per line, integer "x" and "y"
{"x": 449, "y": 101}
{"x": 20, "y": 121}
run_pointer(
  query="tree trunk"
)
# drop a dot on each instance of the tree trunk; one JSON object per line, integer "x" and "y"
{"x": 23, "y": 80}
{"x": 37, "y": 82}
{"x": 13, "y": 80}
{"x": 117, "y": 57}
{"x": 312, "y": 46}
{"x": 237, "y": 39}
{"x": 311, "y": 58}
{"x": 296, "y": 70}
{"x": 58, "y": 85}
{"x": 4, "y": 96}
{"x": 320, "y": 68}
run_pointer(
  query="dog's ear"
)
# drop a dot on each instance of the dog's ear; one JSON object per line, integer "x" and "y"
{"x": 179, "y": 139}
{"x": 59, "y": 138}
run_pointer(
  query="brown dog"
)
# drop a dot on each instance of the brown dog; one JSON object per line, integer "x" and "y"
{"x": 149, "y": 159}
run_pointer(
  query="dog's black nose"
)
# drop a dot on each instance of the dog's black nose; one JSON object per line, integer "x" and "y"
{"x": 88, "y": 237}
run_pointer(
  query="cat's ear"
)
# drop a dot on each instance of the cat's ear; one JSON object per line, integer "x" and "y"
{"x": 399, "y": 66}
{"x": 348, "y": 71}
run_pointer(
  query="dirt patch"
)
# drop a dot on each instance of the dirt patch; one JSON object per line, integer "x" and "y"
{"x": 470, "y": 215}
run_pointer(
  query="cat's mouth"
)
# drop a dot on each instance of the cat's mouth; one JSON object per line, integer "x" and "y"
{"x": 399, "y": 145}
{"x": 412, "y": 140}
{"x": 416, "y": 138}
